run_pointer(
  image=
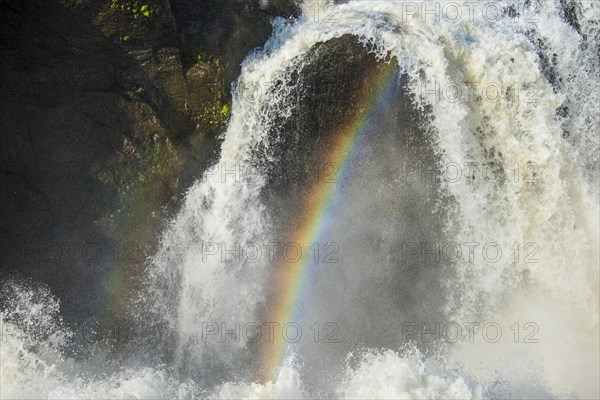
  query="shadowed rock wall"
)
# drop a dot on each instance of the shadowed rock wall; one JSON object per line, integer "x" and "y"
{"x": 109, "y": 109}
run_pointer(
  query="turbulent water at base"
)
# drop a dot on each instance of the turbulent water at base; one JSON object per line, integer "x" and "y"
{"x": 544, "y": 145}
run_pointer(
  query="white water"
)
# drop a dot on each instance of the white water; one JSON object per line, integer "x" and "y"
{"x": 558, "y": 213}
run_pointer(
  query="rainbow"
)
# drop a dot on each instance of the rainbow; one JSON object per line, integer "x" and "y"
{"x": 292, "y": 281}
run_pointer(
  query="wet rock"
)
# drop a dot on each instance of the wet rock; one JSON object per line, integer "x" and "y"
{"x": 329, "y": 88}
{"x": 106, "y": 118}
{"x": 228, "y": 29}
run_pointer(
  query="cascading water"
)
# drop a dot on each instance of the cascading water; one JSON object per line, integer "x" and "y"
{"x": 479, "y": 279}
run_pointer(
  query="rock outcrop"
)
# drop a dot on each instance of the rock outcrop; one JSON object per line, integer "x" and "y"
{"x": 109, "y": 110}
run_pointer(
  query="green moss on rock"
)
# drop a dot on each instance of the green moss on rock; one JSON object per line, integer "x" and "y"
{"x": 136, "y": 9}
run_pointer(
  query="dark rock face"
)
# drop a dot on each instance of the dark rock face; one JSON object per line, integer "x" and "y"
{"x": 328, "y": 90}
{"x": 107, "y": 115}
{"x": 226, "y": 28}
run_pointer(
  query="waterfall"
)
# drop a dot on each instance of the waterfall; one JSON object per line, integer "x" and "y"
{"x": 479, "y": 279}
